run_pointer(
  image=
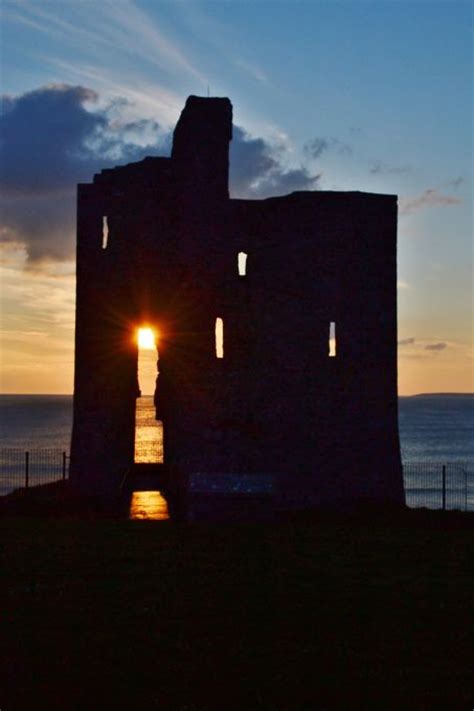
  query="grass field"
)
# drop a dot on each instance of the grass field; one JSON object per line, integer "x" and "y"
{"x": 104, "y": 614}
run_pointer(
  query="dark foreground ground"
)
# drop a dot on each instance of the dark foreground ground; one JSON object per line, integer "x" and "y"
{"x": 310, "y": 614}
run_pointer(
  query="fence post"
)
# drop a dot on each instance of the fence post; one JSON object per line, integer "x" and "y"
{"x": 444, "y": 487}
{"x": 27, "y": 469}
{"x": 64, "y": 466}
{"x": 465, "y": 490}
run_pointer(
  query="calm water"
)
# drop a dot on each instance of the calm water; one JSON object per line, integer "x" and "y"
{"x": 148, "y": 433}
{"x": 36, "y": 421}
{"x": 148, "y": 505}
{"x": 438, "y": 428}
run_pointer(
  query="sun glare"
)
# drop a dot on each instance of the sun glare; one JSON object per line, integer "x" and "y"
{"x": 147, "y": 338}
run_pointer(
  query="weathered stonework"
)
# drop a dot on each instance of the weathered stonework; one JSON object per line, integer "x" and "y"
{"x": 276, "y": 403}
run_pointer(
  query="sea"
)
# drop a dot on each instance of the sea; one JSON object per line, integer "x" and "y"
{"x": 436, "y": 431}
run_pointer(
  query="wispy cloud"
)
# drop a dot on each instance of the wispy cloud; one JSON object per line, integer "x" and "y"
{"x": 219, "y": 38}
{"x": 436, "y": 346}
{"x": 252, "y": 70}
{"x": 37, "y": 326}
{"x": 131, "y": 24}
{"x": 114, "y": 28}
{"x": 456, "y": 182}
{"x": 16, "y": 18}
{"x": 317, "y": 146}
{"x": 145, "y": 99}
{"x": 430, "y": 198}
{"x": 430, "y": 350}
{"x": 381, "y": 168}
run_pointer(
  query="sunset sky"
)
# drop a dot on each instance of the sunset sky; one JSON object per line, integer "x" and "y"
{"x": 363, "y": 95}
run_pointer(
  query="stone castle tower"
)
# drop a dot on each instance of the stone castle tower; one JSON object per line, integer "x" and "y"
{"x": 280, "y": 400}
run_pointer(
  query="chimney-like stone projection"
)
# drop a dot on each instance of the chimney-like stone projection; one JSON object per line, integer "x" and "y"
{"x": 160, "y": 242}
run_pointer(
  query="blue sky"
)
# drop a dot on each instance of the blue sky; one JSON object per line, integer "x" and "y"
{"x": 361, "y": 95}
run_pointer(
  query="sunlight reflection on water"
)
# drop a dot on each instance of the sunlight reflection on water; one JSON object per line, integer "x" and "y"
{"x": 148, "y": 505}
{"x": 148, "y": 433}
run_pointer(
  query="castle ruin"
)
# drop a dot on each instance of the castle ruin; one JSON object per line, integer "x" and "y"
{"x": 280, "y": 399}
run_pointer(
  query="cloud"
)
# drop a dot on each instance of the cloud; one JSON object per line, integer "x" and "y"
{"x": 456, "y": 182}
{"x": 430, "y": 198}
{"x": 42, "y": 136}
{"x": 282, "y": 182}
{"x": 51, "y": 139}
{"x": 455, "y": 356}
{"x": 44, "y": 301}
{"x": 59, "y": 135}
{"x": 250, "y": 159}
{"x": 257, "y": 169}
{"x": 355, "y": 131}
{"x": 43, "y": 223}
{"x": 252, "y": 69}
{"x": 316, "y": 147}
{"x": 380, "y": 168}
{"x": 436, "y": 346}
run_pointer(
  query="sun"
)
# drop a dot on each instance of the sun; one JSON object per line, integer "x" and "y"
{"x": 147, "y": 338}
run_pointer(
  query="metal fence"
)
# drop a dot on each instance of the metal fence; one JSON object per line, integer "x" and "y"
{"x": 430, "y": 485}
{"x": 23, "y": 469}
{"x": 435, "y": 485}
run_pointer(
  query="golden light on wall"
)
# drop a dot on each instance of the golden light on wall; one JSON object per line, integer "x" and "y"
{"x": 147, "y": 338}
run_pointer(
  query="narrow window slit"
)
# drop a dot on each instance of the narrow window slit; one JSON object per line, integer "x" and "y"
{"x": 105, "y": 231}
{"x": 219, "y": 338}
{"x": 332, "y": 339}
{"x": 242, "y": 263}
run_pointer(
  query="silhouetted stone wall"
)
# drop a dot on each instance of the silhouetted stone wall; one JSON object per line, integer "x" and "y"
{"x": 276, "y": 402}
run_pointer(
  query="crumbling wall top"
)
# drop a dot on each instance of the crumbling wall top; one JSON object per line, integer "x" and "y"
{"x": 151, "y": 168}
{"x": 202, "y": 120}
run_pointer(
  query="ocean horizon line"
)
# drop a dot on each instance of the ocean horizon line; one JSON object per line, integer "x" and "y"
{"x": 425, "y": 394}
